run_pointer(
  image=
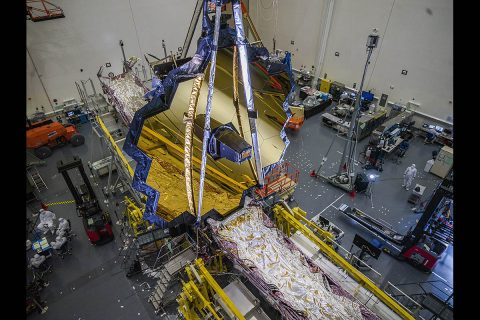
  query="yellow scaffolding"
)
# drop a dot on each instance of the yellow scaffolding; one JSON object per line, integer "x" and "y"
{"x": 289, "y": 219}
{"x": 195, "y": 300}
{"x": 134, "y": 216}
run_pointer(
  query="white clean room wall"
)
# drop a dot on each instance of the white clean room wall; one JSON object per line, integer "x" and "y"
{"x": 89, "y": 36}
{"x": 421, "y": 42}
{"x": 297, "y": 21}
{"x": 416, "y": 35}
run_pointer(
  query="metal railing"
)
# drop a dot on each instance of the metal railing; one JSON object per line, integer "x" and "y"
{"x": 404, "y": 299}
{"x": 180, "y": 245}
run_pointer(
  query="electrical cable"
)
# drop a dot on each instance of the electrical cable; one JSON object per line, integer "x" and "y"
{"x": 275, "y": 28}
{"x": 135, "y": 27}
{"x": 264, "y": 7}
{"x": 273, "y": 13}
{"x": 381, "y": 43}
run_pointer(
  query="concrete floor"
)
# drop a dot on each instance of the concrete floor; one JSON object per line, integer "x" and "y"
{"x": 388, "y": 201}
{"x": 90, "y": 283}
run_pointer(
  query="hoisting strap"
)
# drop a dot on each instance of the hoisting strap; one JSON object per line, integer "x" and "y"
{"x": 206, "y": 131}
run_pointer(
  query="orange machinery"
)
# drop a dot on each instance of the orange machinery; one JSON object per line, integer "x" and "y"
{"x": 46, "y": 134}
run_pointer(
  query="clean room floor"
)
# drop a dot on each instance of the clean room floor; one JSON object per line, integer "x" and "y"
{"x": 90, "y": 284}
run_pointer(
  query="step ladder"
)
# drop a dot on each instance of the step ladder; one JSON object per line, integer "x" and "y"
{"x": 161, "y": 286}
{"x": 129, "y": 262}
{"x": 165, "y": 275}
{"x": 36, "y": 179}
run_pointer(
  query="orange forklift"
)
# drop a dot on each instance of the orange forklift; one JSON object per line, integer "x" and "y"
{"x": 45, "y": 134}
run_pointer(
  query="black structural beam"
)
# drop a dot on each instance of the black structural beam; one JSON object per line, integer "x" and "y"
{"x": 63, "y": 168}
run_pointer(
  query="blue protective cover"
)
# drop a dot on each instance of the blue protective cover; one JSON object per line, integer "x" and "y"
{"x": 161, "y": 96}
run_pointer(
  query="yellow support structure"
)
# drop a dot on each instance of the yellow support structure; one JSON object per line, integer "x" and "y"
{"x": 195, "y": 297}
{"x": 214, "y": 285}
{"x": 135, "y": 217}
{"x": 365, "y": 282}
{"x": 114, "y": 144}
{"x": 301, "y": 215}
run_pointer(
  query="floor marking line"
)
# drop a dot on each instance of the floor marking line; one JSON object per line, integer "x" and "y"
{"x": 329, "y": 205}
{"x": 441, "y": 278}
{"x": 60, "y": 202}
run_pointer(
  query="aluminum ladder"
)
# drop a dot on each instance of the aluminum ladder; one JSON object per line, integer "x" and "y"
{"x": 161, "y": 286}
{"x": 36, "y": 179}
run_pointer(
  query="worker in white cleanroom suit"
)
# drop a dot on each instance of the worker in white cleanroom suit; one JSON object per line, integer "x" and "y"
{"x": 62, "y": 226}
{"x": 58, "y": 243}
{"x": 37, "y": 260}
{"x": 408, "y": 176}
{"x": 46, "y": 221}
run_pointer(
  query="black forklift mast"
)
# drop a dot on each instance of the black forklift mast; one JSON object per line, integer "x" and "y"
{"x": 444, "y": 189}
{"x": 63, "y": 168}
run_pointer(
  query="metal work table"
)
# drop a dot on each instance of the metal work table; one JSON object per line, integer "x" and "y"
{"x": 442, "y": 138}
{"x": 392, "y": 147}
{"x": 338, "y": 124}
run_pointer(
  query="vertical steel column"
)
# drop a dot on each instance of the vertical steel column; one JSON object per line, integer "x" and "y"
{"x": 206, "y": 131}
{"x": 93, "y": 87}
{"x": 354, "y": 120}
{"x": 328, "y": 12}
{"x": 109, "y": 173}
{"x": 252, "y": 114}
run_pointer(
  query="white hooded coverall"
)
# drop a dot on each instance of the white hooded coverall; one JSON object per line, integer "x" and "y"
{"x": 37, "y": 260}
{"x": 58, "y": 243}
{"x": 408, "y": 176}
{"x": 62, "y": 226}
{"x": 46, "y": 218}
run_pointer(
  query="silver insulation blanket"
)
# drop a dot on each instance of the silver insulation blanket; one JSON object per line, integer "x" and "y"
{"x": 129, "y": 95}
{"x": 273, "y": 261}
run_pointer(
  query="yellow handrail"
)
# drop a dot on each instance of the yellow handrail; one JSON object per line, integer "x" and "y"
{"x": 218, "y": 289}
{"x": 112, "y": 141}
{"x": 352, "y": 271}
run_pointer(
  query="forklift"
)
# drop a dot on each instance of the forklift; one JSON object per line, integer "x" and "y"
{"x": 426, "y": 243}
{"x": 97, "y": 223}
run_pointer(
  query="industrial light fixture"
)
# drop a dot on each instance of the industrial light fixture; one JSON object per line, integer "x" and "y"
{"x": 372, "y": 40}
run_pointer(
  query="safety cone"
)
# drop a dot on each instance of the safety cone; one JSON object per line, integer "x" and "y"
{"x": 313, "y": 173}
